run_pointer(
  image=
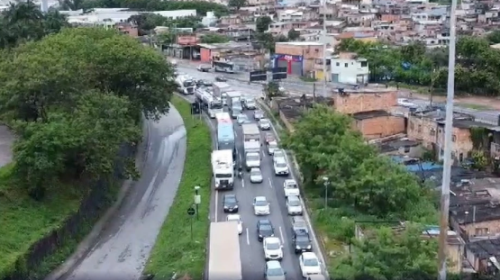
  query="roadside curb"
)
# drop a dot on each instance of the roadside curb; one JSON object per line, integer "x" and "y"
{"x": 268, "y": 111}
{"x": 88, "y": 243}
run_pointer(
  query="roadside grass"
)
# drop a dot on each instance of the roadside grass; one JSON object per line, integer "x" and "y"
{"x": 25, "y": 221}
{"x": 175, "y": 252}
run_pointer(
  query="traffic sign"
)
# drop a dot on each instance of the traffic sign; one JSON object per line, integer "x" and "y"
{"x": 279, "y": 73}
{"x": 258, "y": 75}
{"x": 191, "y": 211}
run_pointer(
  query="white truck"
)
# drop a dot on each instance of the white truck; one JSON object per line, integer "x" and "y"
{"x": 224, "y": 261}
{"x": 223, "y": 169}
{"x": 251, "y": 132}
{"x": 211, "y": 104}
{"x": 220, "y": 91}
{"x": 185, "y": 84}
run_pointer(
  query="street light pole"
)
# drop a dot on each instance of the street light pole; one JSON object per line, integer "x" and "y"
{"x": 324, "y": 49}
{"x": 197, "y": 200}
{"x": 325, "y": 182}
{"x": 445, "y": 188}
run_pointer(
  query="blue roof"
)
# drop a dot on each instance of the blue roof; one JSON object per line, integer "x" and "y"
{"x": 225, "y": 131}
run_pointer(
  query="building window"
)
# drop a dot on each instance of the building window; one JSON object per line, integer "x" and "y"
{"x": 432, "y": 132}
{"x": 454, "y": 138}
{"x": 338, "y": 63}
{"x": 364, "y": 63}
{"x": 481, "y": 231}
{"x": 406, "y": 149}
{"x": 346, "y": 65}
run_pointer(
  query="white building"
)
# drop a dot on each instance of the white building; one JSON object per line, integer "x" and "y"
{"x": 347, "y": 68}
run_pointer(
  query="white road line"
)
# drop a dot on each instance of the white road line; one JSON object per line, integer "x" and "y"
{"x": 216, "y": 204}
{"x": 270, "y": 182}
{"x": 242, "y": 183}
{"x": 263, "y": 154}
{"x": 248, "y": 237}
{"x": 282, "y": 236}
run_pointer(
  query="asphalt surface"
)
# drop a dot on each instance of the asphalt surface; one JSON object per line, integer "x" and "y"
{"x": 252, "y": 253}
{"x": 126, "y": 241}
{"x": 296, "y": 87}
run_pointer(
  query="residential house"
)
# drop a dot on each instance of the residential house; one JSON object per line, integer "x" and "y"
{"x": 298, "y": 57}
{"x": 241, "y": 55}
{"x": 369, "y": 107}
{"x": 348, "y": 68}
{"x": 230, "y": 20}
{"x": 428, "y": 126}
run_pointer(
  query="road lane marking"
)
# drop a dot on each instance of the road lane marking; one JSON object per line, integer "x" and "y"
{"x": 263, "y": 154}
{"x": 248, "y": 237}
{"x": 270, "y": 182}
{"x": 242, "y": 183}
{"x": 282, "y": 236}
{"x": 216, "y": 204}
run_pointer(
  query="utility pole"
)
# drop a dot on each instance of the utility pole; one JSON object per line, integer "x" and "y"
{"x": 314, "y": 92}
{"x": 325, "y": 182}
{"x": 445, "y": 188}
{"x": 44, "y": 7}
{"x": 324, "y": 49}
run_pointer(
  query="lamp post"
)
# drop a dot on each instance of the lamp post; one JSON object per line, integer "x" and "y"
{"x": 325, "y": 182}
{"x": 197, "y": 200}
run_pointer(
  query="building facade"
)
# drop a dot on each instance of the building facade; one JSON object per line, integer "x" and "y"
{"x": 298, "y": 57}
{"x": 347, "y": 68}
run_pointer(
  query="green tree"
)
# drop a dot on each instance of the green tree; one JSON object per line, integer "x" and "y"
{"x": 387, "y": 254}
{"x": 325, "y": 145}
{"x": 272, "y": 89}
{"x": 494, "y": 37}
{"x": 214, "y": 39}
{"x": 293, "y": 34}
{"x": 236, "y": 3}
{"x": 23, "y": 22}
{"x": 262, "y": 23}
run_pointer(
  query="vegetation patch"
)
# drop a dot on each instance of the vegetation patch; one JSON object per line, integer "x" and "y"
{"x": 25, "y": 221}
{"x": 176, "y": 251}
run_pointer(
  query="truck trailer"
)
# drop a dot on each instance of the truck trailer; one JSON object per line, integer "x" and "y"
{"x": 251, "y": 132}
{"x": 224, "y": 261}
{"x": 223, "y": 169}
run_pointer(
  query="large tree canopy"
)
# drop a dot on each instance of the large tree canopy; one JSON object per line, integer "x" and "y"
{"x": 74, "y": 98}
{"x": 477, "y": 70}
{"x": 362, "y": 187}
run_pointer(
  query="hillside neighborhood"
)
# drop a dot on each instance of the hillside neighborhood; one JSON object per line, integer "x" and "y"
{"x": 361, "y": 113}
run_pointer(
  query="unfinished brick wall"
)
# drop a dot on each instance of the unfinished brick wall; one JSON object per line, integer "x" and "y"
{"x": 462, "y": 143}
{"x": 380, "y": 127}
{"x": 363, "y": 102}
{"x": 308, "y": 52}
{"x": 422, "y": 129}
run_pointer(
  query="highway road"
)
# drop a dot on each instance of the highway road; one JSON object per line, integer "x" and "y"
{"x": 124, "y": 243}
{"x": 252, "y": 253}
{"x": 296, "y": 88}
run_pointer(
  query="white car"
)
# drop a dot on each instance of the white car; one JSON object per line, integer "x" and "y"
{"x": 291, "y": 187}
{"x": 309, "y": 264}
{"x": 264, "y": 124}
{"x": 273, "y": 250}
{"x": 274, "y": 271}
{"x": 293, "y": 205}
{"x": 271, "y": 147}
{"x": 236, "y": 218}
{"x": 256, "y": 176}
{"x": 279, "y": 154}
{"x": 281, "y": 168}
{"x": 203, "y": 68}
{"x": 261, "y": 206}
{"x": 242, "y": 118}
{"x": 403, "y": 102}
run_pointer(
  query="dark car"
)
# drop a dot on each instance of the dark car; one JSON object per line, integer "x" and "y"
{"x": 264, "y": 229}
{"x": 203, "y": 83}
{"x": 220, "y": 79}
{"x": 301, "y": 241}
{"x": 230, "y": 203}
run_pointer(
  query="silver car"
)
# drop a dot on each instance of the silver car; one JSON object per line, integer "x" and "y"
{"x": 256, "y": 176}
{"x": 274, "y": 271}
{"x": 273, "y": 146}
{"x": 257, "y": 114}
{"x": 264, "y": 124}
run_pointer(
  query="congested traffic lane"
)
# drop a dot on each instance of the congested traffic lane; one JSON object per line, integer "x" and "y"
{"x": 252, "y": 253}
